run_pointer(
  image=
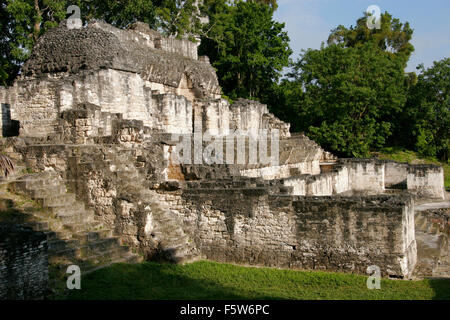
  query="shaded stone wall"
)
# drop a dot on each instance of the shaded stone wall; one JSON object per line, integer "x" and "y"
{"x": 395, "y": 174}
{"x": 340, "y": 233}
{"x": 23, "y": 263}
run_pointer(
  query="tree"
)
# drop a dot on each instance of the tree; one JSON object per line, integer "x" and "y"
{"x": 8, "y": 70}
{"x": 348, "y": 92}
{"x": 29, "y": 19}
{"x": 428, "y": 111}
{"x": 246, "y": 46}
{"x": 393, "y": 37}
{"x": 118, "y": 13}
{"x": 272, "y": 3}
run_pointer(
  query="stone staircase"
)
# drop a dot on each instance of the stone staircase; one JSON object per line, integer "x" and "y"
{"x": 73, "y": 235}
{"x": 174, "y": 244}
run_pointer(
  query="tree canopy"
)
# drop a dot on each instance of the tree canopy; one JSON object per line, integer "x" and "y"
{"x": 246, "y": 46}
{"x": 347, "y": 94}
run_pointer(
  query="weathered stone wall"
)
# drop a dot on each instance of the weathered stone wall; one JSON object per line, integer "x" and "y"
{"x": 365, "y": 174}
{"x": 328, "y": 233}
{"x": 432, "y": 229}
{"x": 23, "y": 263}
{"x": 426, "y": 180}
{"x": 5, "y": 111}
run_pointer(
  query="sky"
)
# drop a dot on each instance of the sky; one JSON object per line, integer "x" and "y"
{"x": 309, "y": 22}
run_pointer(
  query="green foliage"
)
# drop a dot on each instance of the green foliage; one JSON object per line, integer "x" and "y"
{"x": 209, "y": 280}
{"x": 27, "y": 20}
{"x": 393, "y": 37}
{"x": 349, "y": 95}
{"x": 429, "y": 110}
{"x": 248, "y": 48}
{"x": 119, "y": 13}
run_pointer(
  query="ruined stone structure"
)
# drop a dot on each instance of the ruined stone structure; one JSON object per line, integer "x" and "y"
{"x": 103, "y": 111}
{"x": 23, "y": 263}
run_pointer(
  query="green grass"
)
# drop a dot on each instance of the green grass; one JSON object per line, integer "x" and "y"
{"x": 403, "y": 155}
{"x": 210, "y": 280}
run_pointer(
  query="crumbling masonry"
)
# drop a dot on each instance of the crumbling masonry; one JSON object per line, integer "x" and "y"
{"x": 95, "y": 111}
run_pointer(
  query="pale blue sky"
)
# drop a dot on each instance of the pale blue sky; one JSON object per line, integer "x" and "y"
{"x": 309, "y": 22}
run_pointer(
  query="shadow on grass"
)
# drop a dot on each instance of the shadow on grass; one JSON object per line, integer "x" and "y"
{"x": 441, "y": 288}
{"x": 151, "y": 281}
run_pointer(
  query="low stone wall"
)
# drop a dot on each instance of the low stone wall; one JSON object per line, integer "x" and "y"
{"x": 23, "y": 263}
{"x": 320, "y": 185}
{"x": 365, "y": 174}
{"x": 326, "y": 233}
{"x": 426, "y": 180}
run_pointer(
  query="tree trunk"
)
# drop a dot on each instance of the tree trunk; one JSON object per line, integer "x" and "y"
{"x": 37, "y": 21}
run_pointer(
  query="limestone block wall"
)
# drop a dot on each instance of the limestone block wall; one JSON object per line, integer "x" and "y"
{"x": 324, "y": 184}
{"x": 35, "y": 104}
{"x": 244, "y": 117}
{"x": 365, "y": 174}
{"x": 183, "y": 47}
{"x": 432, "y": 228}
{"x": 341, "y": 180}
{"x": 320, "y": 185}
{"x": 174, "y": 113}
{"x": 298, "y": 184}
{"x": 282, "y": 171}
{"x": 23, "y": 263}
{"x": 325, "y": 233}
{"x": 426, "y": 181}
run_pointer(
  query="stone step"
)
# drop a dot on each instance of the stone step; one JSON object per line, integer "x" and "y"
{"x": 61, "y": 200}
{"x": 66, "y": 209}
{"x": 87, "y": 236}
{"x": 38, "y": 225}
{"x": 82, "y": 217}
{"x": 48, "y": 191}
{"x": 106, "y": 248}
{"x": 31, "y": 183}
{"x": 89, "y": 226}
{"x": 58, "y": 245}
{"x": 54, "y": 235}
{"x": 188, "y": 258}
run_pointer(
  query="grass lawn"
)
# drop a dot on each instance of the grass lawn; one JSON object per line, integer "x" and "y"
{"x": 210, "y": 280}
{"x": 403, "y": 155}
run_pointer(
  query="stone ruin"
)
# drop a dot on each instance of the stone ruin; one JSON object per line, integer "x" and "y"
{"x": 97, "y": 115}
